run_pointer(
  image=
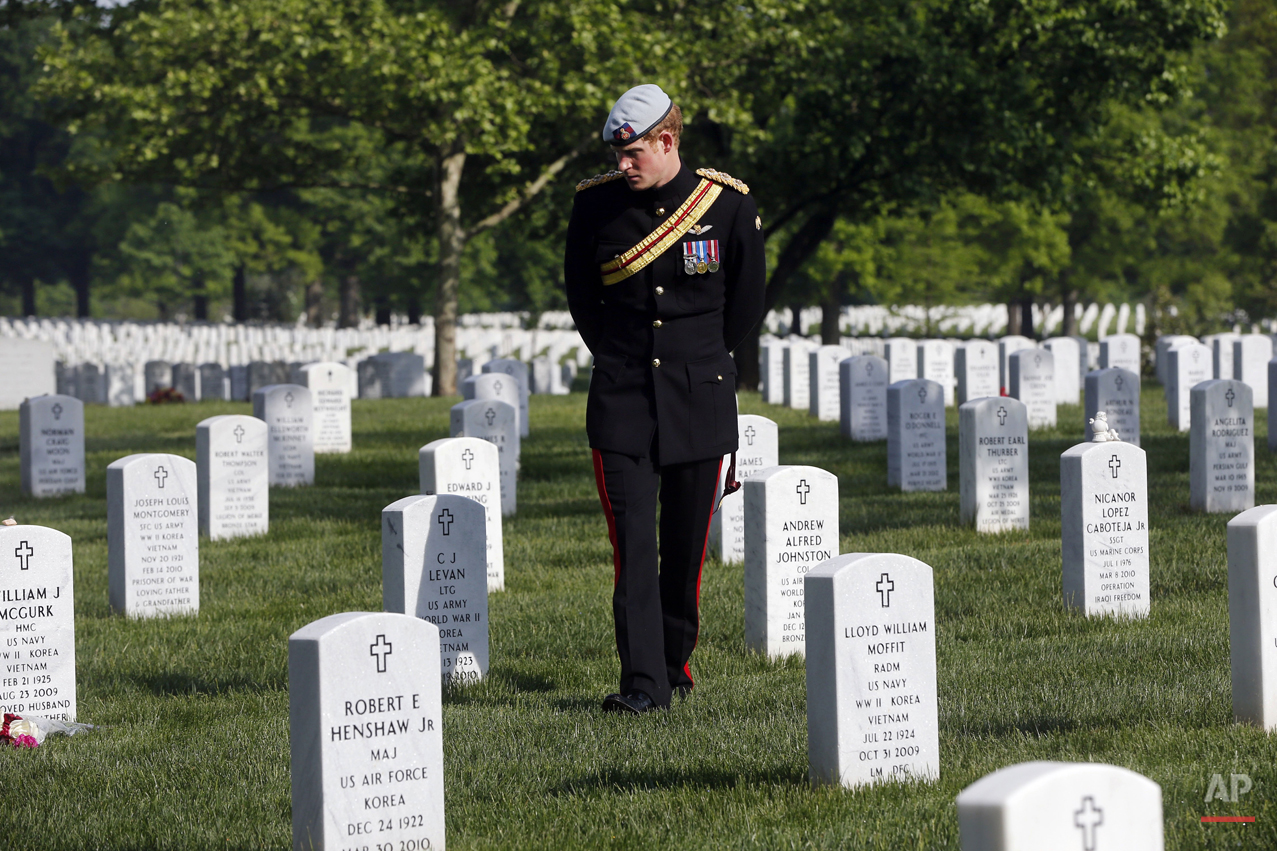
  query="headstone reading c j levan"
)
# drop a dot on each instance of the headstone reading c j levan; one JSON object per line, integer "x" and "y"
{"x": 329, "y": 386}
{"x": 1116, "y": 392}
{"x": 1221, "y": 447}
{"x": 152, "y": 526}
{"x": 759, "y": 441}
{"x": 1251, "y": 354}
{"x": 993, "y": 464}
{"x": 1032, "y": 373}
{"x": 37, "y": 630}
{"x": 1187, "y": 365}
{"x": 872, "y": 710}
{"x": 288, "y": 413}
{"x": 915, "y": 436}
{"x": 366, "y": 733}
{"x": 862, "y": 394}
{"x": 51, "y": 445}
{"x": 434, "y": 566}
{"x": 976, "y": 365}
{"x": 231, "y": 456}
{"x": 470, "y": 467}
{"x": 496, "y": 422}
{"x": 519, "y": 371}
{"x": 1104, "y": 528}
{"x": 1252, "y": 604}
{"x": 791, "y": 525}
{"x": 1061, "y": 806}
{"x": 822, "y": 376}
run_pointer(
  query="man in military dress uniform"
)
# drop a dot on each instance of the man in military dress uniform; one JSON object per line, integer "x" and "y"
{"x": 664, "y": 275}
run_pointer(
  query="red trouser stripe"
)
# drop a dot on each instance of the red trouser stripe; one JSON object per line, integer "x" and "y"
{"x": 611, "y": 521}
{"x": 713, "y": 504}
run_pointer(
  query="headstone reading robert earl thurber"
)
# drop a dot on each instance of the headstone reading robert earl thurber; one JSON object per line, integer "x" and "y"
{"x": 51, "y": 445}
{"x": 993, "y": 446}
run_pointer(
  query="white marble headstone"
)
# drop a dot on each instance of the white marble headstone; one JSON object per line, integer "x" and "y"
{"x": 901, "y": 354}
{"x": 51, "y": 445}
{"x": 434, "y": 565}
{"x": 27, "y": 367}
{"x": 1007, "y": 346}
{"x": 1104, "y": 528}
{"x": 976, "y": 367}
{"x": 1221, "y": 447}
{"x": 471, "y": 467}
{"x": 494, "y": 385}
{"x": 186, "y": 380}
{"x": 1116, "y": 392}
{"x": 1120, "y": 351}
{"x": 1187, "y": 365}
{"x": 288, "y": 412}
{"x": 936, "y": 363}
{"x": 1032, "y": 373}
{"x": 1222, "y": 352}
{"x": 1066, "y": 351}
{"x": 797, "y": 378}
{"x": 496, "y": 422}
{"x": 37, "y": 623}
{"x": 822, "y": 376}
{"x": 158, "y": 375}
{"x": 993, "y": 463}
{"x": 1252, "y": 615}
{"x": 772, "y": 368}
{"x": 152, "y": 532}
{"x": 1161, "y": 352}
{"x": 916, "y": 459}
{"x": 862, "y": 393}
{"x": 366, "y": 733}
{"x": 214, "y": 382}
{"x": 329, "y": 385}
{"x": 872, "y": 712}
{"x": 231, "y": 454}
{"x": 1251, "y": 354}
{"x": 759, "y": 448}
{"x": 791, "y": 525}
{"x": 519, "y": 371}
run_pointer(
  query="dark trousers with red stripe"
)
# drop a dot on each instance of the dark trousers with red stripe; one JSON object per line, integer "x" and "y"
{"x": 657, "y": 586}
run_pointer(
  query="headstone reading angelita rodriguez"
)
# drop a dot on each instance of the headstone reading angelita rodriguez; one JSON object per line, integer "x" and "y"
{"x": 1221, "y": 447}
{"x": 993, "y": 464}
{"x": 872, "y": 711}
{"x": 152, "y": 525}
{"x": 37, "y": 623}
{"x": 234, "y": 492}
{"x": 288, "y": 413}
{"x": 759, "y": 448}
{"x": 470, "y": 467}
{"x": 366, "y": 733}
{"x": 433, "y": 566}
{"x": 51, "y": 445}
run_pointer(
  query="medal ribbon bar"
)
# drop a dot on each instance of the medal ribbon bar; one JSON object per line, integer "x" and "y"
{"x": 658, "y": 241}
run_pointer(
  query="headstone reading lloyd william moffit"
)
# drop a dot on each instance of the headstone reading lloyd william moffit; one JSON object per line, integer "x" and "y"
{"x": 51, "y": 445}
{"x": 1221, "y": 447}
{"x": 759, "y": 442}
{"x": 862, "y": 393}
{"x": 289, "y": 414}
{"x": 915, "y": 436}
{"x": 993, "y": 464}
{"x": 1116, "y": 392}
{"x": 234, "y": 476}
{"x": 497, "y": 423}
{"x": 470, "y": 467}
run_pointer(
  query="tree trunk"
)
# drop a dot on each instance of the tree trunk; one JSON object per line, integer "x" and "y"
{"x": 239, "y": 295}
{"x": 315, "y": 303}
{"x": 1026, "y": 316}
{"x": 199, "y": 299}
{"x": 796, "y": 325}
{"x": 830, "y": 311}
{"x": 28, "y": 295}
{"x": 414, "y": 310}
{"x": 1068, "y": 299}
{"x": 80, "y": 277}
{"x": 1013, "y": 318}
{"x": 381, "y": 311}
{"x": 452, "y": 241}
{"x": 348, "y": 312}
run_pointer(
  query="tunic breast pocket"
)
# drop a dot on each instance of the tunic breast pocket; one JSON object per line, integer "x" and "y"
{"x": 712, "y": 406}
{"x": 699, "y": 292}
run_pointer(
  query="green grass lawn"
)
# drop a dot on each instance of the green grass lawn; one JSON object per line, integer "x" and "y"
{"x": 192, "y": 745}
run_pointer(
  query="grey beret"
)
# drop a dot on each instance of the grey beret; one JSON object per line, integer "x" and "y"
{"x": 635, "y": 113}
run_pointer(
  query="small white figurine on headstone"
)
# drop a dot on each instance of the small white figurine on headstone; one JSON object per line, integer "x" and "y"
{"x": 1101, "y": 433}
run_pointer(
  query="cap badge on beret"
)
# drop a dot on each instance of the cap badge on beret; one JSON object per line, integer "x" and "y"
{"x": 623, "y": 133}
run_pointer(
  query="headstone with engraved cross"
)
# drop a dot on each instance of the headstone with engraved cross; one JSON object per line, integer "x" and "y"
{"x": 469, "y": 466}
{"x": 1032, "y": 373}
{"x": 1104, "y": 528}
{"x": 1120, "y": 351}
{"x": 862, "y": 393}
{"x": 214, "y": 383}
{"x": 1066, "y": 352}
{"x": 494, "y": 385}
{"x": 434, "y": 566}
{"x": 366, "y": 733}
{"x": 915, "y": 436}
{"x": 993, "y": 464}
{"x": 759, "y": 447}
{"x": 771, "y": 365}
{"x": 975, "y": 365}
{"x": 329, "y": 384}
{"x": 234, "y": 493}
{"x": 1187, "y": 365}
{"x": 1007, "y": 346}
{"x": 152, "y": 533}
{"x": 791, "y": 525}
{"x": 797, "y": 373}
{"x": 518, "y": 370}
{"x": 1221, "y": 447}
{"x": 1252, "y": 604}
{"x": 37, "y": 630}
{"x": 496, "y": 422}
{"x": 289, "y": 414}
{"x": 51, "y": 445}
{"x": 936, "y": 363}
{"x": 1061, "y": 806}
{"x": 871, "y": 670}
{"x": 1116, "y": 392}
{"x": 901, "y": 354}
{"x": 1251, "y": 354}
{"x": 822, "y": 381}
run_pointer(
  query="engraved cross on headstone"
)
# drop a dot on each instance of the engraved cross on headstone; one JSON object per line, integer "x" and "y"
{"x": 380, "y": 649}
{"x": 1002, "y": 416}
{"x": 490, "y": 415}
{"x": 1230, "y": 396}
{"x": 330, "y": 375}
{"x": 922, "y": 394}
{"x": 57, "y": 411}
{"x": 1088, "y": 820}
{"x": 288, "y": 399}
{"x": 884, "y": 587}
{"x": 869, "y": 368}
{"x": 749, "y": 434}
{"x": 160, "y": 475}
{"x": 239, "y": 434}
{"x": 24, "y": 553}
{"x": 802, "y": 490}
{"x": 467, "y": 458}
{"x": 1037, "y": 360}
{"x": 1115, "y": 464}
{"x": 445, "y": 520}
{"x": 1118, "y": 382}
{"x": 1197, "y": 355}
{"x": 497, "y": 385}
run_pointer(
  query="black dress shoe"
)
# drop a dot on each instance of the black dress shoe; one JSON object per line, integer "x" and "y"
{"x": 634, "y": 703}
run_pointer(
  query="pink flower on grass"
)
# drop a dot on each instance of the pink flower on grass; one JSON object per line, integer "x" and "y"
{"x": 24, "y": 741}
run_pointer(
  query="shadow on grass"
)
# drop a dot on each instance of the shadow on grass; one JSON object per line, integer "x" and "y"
{"x": 701, "y": 777}
{"x": 1039, "y": 727}
{"x": 175, "y": 683}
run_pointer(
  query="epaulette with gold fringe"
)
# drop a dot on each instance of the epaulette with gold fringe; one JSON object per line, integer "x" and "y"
{"x": 599, "y": 179}
{"x": 724, "y": 178}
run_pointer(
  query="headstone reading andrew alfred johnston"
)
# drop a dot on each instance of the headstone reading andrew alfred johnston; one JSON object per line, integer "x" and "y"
{"x": 1221, "y": 447}
{"x": 51, "y": 445}
{"x": 759, "y": 441}
{"x": 915, "y": 436}
{"x": 468, "y": 466}
{"x": 234, "y": 477}
{"x": 288, "y": 413}
{"x": 993, "y": 464}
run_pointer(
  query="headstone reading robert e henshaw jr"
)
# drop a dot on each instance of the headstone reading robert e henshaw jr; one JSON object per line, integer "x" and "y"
{"x": 1221, "y": 447}
{"x": 1104, "y": 528}
{"x": 1032, "y": 374}
{"x": 862, "y": 393}
{"x": 366, "y": 733}
{"x": 518, "y": 370}
{"x": 288, "y": 412}
{"x": 872, "y": 712}
{"x": 1116, "y": 392}
{"x": 759, "y": 442}
{"x": 915, "y": 436}
{"x": 993, "y": 464}
{"x": 1252, "y": 615}
{"x": 497, "y": 423}
{"x": 152, "y": 532}
{"x": 975, "y": 365}
{"x": 51, "y": 445}
{"x": 329, "y": 385}
{"x": 37, "y": 622}
{"x": 1061, "y": 806}
{"x": 234, "y": 476}
{"x": 434, "y": 566}
{"x": 791, "y": 525}
{"x": 470, "y": 467}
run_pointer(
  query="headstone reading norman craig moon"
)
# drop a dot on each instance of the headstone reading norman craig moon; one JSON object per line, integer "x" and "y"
{"x": 1187, "y": 365}
{"x": 329, "y": 385}
{"x": 1120, "y": 350}
{"x": 1221, "y": 447}
{"x": 1104, "y": 528}
{"x": 822, "y": 390}
{"x": 434, "y": 566}
{"x": 1032, "y": 374}
{"x": 497, "y": 423}
{"x": 759, "y": 441}
{"x": 993, "y": 464}
{"x": 1116, "y": 392}
{"x": 791, "y": 525}
{"x": 152, "y": 533}
{"x": 37, "y": 622}
{"x": 871, "y": 670}
{"x": 936, "y": 363}
{"x": 27, "y": 367}
{"x": 862, "y": 393}
{"x": 1066, "y": 351}
{"x": 518, "y": 370}
{"x": 915, "y": 436}
{"x": 976, "y": 366}
{"x": 234, "y": 489}
{"x": 470, "y": 467}
{"x": 1252, "y": 615}
{"x": 1251, "y": 354}
{"x": 51, "y": 445}
{"x": 287, "y": 410}
{"x": 366, "y": 733}
{"x": 1061, "y": 806}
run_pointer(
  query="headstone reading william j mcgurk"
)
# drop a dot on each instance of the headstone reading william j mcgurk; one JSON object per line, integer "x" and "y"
{"x": 915, "y": 436}
{"x": 234, "y": 489}
{"x": 51, "y": 445}
{"x": 1221, "y": 447}
{"x": 993, "y": 464}
{"x": 759, "y": 441}
{"x": 468, "y": 466}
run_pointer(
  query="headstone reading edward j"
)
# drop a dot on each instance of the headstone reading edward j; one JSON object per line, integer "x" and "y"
{"x": 470, "y": 467}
